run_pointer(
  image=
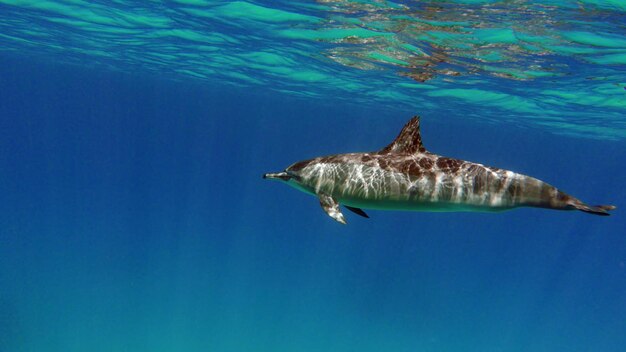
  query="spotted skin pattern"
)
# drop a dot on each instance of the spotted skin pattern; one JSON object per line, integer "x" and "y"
{"x": 405, "y": 176}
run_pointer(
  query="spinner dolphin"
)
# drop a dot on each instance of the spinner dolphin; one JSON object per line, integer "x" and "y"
{"x": 405, "y": 176}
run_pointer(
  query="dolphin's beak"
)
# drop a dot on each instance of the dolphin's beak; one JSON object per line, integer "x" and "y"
{"x": 279, "y": 175}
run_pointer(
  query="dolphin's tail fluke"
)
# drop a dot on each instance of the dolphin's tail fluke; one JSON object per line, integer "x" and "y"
{"x": 596, "y": 209}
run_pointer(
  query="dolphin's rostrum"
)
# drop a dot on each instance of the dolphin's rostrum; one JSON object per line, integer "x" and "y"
{"x": 405, "y": 176}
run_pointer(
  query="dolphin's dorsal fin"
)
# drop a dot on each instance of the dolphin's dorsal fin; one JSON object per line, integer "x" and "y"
{"x": 409, "y": 141}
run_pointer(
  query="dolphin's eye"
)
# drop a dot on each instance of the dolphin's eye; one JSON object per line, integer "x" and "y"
{"x": 293, "y": 175}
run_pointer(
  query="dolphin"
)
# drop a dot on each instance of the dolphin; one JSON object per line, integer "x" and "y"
{"x": 405, "y": 176}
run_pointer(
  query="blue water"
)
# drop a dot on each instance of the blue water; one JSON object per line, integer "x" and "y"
{"x": 133, "y": 217}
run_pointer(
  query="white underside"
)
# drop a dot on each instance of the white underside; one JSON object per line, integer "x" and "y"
{"x": 421, "y": 206}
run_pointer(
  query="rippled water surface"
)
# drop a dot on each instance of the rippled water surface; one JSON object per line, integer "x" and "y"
{"x": 557, "y": 65}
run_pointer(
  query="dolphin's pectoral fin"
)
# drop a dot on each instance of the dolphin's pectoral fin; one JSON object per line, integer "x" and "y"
{"x": 358, "y": 211}
{"x": 331, "y": 207}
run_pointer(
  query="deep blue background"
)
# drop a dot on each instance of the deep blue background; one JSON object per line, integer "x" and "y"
{"x": 133, "y": 217}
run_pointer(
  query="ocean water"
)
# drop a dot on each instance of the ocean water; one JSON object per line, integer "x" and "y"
{"x": 133, "y": 137}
